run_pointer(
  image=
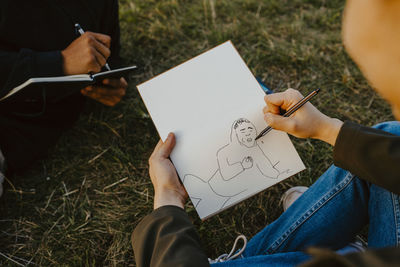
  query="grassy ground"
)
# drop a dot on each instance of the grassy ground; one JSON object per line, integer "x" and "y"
{"x": 80, "y": 205}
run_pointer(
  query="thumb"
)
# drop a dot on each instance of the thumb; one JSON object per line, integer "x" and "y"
{"x": 166, "y": 148}
{"x": 278, "y": 122}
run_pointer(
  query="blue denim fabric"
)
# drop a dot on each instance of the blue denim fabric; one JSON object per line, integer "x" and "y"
{"x": 328, "y": 215}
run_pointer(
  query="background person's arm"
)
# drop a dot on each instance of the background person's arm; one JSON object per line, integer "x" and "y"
{"x": 111, "y": 91}
{"x": 17, "y": 67}
{"x": 85, "y": 54}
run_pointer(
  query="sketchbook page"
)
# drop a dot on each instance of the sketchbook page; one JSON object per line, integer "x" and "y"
{"x": 214, "y": 105}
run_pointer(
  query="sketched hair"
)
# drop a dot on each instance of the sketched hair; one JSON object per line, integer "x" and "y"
{"x": 235, "y": 125}
{"x": 239, "y": 121}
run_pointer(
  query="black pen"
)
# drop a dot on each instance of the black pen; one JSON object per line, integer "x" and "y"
{"x": 81, "y": 32}
{"x": 291, "y": 111}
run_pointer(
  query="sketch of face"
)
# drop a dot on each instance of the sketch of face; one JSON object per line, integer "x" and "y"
{"x": 246, "y": 134}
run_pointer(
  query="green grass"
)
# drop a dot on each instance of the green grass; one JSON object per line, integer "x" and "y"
{"x": 80, "y": 205}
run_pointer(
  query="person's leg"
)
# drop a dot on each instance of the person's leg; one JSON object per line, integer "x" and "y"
{"x": 384, "y": 208}
{"x": 384, "y": 218}
{"x": 329, "y": 214}
{"x": 274, "y": 260}
{"x": 328, "y": 207}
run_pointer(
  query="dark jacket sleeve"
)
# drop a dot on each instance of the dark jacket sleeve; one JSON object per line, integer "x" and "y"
{"x": 17, "y": 67}
{"x": 370, "y": 154}
{"x": 166, "y": 237}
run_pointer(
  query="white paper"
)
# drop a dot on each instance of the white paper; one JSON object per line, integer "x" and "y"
{"x": 214, "y": 105}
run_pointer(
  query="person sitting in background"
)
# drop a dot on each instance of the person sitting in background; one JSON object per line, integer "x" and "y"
{"x": 363, "y": 189}
{"x": 38, "y": 39}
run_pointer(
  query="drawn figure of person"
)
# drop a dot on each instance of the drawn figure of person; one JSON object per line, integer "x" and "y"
{"x": 242, "y": 166}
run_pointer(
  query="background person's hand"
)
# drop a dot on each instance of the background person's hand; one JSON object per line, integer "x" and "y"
{"x": 109, "y": 93}
{"x": 306, "y": 122}
{"x": 88, "y": 53}
{"x": 167, "y": 188}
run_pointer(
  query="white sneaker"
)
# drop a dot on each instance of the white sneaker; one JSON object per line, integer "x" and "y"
{"x": 232, "y": 255}
{"x": 291, "y": 195}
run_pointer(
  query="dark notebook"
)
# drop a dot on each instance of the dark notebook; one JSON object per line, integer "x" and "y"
{"x": 53, "y": 88}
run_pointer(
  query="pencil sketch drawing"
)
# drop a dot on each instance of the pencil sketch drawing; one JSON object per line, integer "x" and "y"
{"x": 242, "y": 167}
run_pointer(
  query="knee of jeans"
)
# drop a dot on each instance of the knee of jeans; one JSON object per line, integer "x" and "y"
{"x": 389, "y": 126}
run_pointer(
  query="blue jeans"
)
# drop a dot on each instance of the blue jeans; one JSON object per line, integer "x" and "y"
{"x": 328, "y": 215}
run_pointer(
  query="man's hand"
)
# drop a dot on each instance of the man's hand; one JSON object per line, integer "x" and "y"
{"x": 88, "y": 53}
{"x": 167, "y": 188}
{"x": 109, "y": 93}
{"x": 307, "y": 122}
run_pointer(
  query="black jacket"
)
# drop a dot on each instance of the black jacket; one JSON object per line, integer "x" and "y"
{"x": 166, "y": 237}
{"x": 32, "y": 35}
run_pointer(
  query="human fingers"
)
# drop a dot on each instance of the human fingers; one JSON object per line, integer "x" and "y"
{"x": 103, "y": 38}
{"x": 270, "y": 107}
{"x": 167, "y": 147}
{"x": 101, "y": 91}
{"x": 100, "y": 59}
{"x": 286, "y": 124}
{"x": 163, "y": 149}
{"x": 102, "y": 49}
{"x": 116, "y": 83}
{"x": 108, "y": 99}
{"x": 307, "y": 122}
{"x": 283, "y": 100}
{"x": 155, "y": 153}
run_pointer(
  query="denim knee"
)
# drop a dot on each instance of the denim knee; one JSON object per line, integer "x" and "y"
{"x": 389, "y": 126}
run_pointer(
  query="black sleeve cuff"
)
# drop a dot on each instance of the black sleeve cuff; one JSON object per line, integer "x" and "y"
{"x": 48, "y": 64}
{"x": 345, "y": 144}
{"x": 167, "y": 237}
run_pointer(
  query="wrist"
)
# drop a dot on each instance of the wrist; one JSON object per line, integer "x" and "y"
{"x": 65, "y": 68}
{"x": 330, "y": 130}
{"x": 167, "y": 197}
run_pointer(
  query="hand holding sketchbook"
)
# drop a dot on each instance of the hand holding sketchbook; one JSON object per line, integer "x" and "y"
{"x": 214, "y": 104}
{"x": 59, "y": 87}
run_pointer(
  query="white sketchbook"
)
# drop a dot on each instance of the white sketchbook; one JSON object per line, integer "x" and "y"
{"x": 214, "y": 105}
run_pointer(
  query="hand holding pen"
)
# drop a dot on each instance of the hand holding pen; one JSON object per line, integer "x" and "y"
{"x": 88, "y": 53}
{"x": 82, "y": 32}
{"x": 306, "y": 122}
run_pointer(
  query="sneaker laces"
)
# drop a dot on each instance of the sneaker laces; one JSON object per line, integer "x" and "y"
{"x": 231, "y": 255}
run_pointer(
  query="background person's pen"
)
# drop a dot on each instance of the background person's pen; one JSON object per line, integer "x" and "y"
{"x": 291, "y": 111}
{"x": 81, "y": 32}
